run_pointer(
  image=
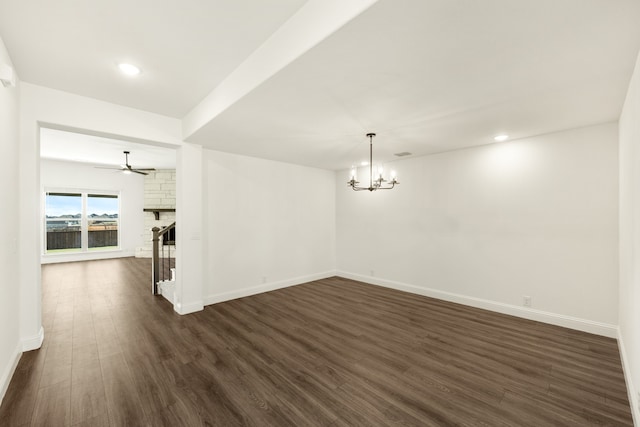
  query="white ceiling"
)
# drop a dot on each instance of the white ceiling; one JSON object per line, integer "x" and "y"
{"x": 75, "y": 147}
{"x": 436, "y": 75}
{"x": 185, "y": 48}
{"x": 426, "y": 75}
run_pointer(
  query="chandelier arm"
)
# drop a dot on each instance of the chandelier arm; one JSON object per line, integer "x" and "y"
{"x": 393, "y": 184}
{"x": 354, "y": 185}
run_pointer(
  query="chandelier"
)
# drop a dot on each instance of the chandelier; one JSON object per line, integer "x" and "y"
{"x": 376, "y": 181}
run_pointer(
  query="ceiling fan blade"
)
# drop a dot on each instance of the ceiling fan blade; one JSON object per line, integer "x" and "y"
{"x": 126, "y": 168}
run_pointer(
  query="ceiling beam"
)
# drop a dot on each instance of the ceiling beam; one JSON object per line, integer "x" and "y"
{"x": 314, "y": 22}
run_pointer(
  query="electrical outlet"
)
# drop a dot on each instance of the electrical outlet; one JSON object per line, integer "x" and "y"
{"x": 372, "y": 273}
{"x": 526, "y": 300}
{"x": 264, "y": 279}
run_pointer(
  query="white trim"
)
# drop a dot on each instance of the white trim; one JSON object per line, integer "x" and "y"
{"x": 631, "y": 390}
{"x": 584, "y": 325}
{"x": 192, "y": 307}
{"x": 9, "y": 371}
{"x": 86, "y": 256}
{"x": 254, "y": 290}
{"x": 167, "y": 290}
{"x": 34, "y": 342}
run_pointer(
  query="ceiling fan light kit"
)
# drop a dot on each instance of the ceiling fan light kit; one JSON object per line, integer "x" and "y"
{"x": 376, "y": 180}
{"x": 127, "y": 169}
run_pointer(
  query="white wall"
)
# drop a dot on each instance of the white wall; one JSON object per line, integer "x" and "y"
{"x": 71, "y": 175}
{"x": 42, "y": 106}
{"x": 486, "y": 226}
{"x": 629, "y": 320}
{"x": 10, "y": 347}
{"x": 190, "y": 258}
{"x": 268, "y": 225}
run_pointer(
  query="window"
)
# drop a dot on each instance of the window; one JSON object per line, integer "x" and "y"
{"x": 81, "y": 221}
{"x": 63, "y": 222}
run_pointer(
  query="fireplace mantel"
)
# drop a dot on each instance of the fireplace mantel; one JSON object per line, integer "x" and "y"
{"x": 156, "y": 211}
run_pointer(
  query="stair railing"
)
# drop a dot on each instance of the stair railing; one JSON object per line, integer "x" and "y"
{"x": 161, "y": 264}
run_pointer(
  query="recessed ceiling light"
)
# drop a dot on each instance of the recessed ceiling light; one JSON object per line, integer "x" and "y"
{"x": 128, "y": 69}
{"x": 500, "y": 138}
{"x": 364, "y": 163}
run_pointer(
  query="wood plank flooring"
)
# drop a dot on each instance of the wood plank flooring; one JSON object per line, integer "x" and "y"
{"x": 328, "y": 353}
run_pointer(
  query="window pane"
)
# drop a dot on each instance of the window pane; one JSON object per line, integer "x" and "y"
{"x": 102, "y": 220}
{"x": 63, "y": 217}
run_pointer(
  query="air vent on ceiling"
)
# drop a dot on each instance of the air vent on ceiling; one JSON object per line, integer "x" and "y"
{"x": 404, "y": 153}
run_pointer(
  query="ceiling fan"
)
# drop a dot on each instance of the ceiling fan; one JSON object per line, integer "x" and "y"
{"x": 126, "y": 168}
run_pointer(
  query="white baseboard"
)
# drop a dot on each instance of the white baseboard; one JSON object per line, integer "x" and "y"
{"x": 634, "y": 401}
{"x": 192, "y": 307}
{"x": 34, "y": 342}
{"x": 266, "y": 287}
{"x": 584, "y": 325}
{"x": 7, "y": 374}
{"x": 85, "y": 256}
{"x": 168, "y": 289}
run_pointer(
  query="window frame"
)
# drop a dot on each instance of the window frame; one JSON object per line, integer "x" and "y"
{"x": 84, "y": 221}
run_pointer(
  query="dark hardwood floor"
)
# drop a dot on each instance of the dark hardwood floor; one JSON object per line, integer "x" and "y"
{"x": 329, "y": 353}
